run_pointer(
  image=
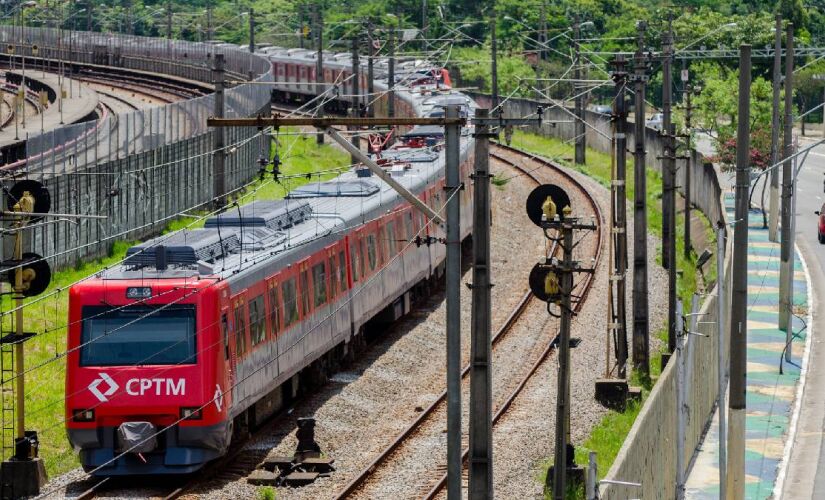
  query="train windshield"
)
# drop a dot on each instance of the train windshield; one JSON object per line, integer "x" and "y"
{"x": 113, "y": 336}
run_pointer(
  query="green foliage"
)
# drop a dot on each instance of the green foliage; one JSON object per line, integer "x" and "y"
{"x": 717, "y": 112}
{"x": 266, "y": 493}
{"x": 471, "y": 67}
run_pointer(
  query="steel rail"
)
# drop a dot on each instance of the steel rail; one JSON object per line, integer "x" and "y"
{"x": 442, "y": 481}
{"x": 365, "y": 473}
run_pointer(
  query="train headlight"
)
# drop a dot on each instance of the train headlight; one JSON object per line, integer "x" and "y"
{"x": 191, "y": 413}
{"x": 83, "y": 415}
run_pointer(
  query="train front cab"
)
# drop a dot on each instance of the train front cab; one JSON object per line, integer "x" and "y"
{"x": 146, "y": 384}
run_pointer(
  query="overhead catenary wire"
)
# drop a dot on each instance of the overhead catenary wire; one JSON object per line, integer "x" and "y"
{"x": 265, "y": 364}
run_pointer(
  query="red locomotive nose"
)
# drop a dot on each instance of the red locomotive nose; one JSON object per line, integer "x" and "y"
{"x": 141, "y": 376}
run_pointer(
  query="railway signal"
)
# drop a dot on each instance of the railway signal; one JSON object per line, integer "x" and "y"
{"x": 23, "y": 473}
{"x": 551, "y": 280}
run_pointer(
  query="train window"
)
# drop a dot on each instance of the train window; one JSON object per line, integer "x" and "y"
{"x": 333, "y": 278}
{"x": 290, "y": 302}
{"x": 342, "y": 275}
{"x": 383, "y": 238}
{"x": 274, "y": 309}
{"x": 319, "y": 283}
{"x": 362, "y": 266}
{"x": 304, "y": 292}
{"x": 353, "y": 257}
{"x": 408, "y": 226}
{"x": 138, "y": 335}
{"x": 257, "y": 320}
{"x": 371, "y": 257}
{"x": 240, "y": 328}
{"x": 225, "y": 333}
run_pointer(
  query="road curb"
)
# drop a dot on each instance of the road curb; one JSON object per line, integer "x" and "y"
{"x": 800, "y": 389}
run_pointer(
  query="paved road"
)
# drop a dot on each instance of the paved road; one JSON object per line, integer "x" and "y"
{"x": 806, "y": 469}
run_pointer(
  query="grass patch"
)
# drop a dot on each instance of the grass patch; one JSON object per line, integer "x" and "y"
{"x": 45, "y": 389}
{"x": 499, "y": 181}
{"x": 607, "y": 437}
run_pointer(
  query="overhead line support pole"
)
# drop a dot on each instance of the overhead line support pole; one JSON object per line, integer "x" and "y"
{"x": 785, "y": 271}
{"x": 494, "y": 68}
{"x": 391, "y": 74}
{"x": 688, "y": 166}
{"x": 669, "y": 184}
{"x": 735, "y": 487}
{"x": 452, "y": 138}
{"x": 617, "y": 303}
{"x": 319, "y": 67}
{"x": 218, "y": 153}
{"x": 251, "y": 31}
{"x": 356, "y": 90}
{"x": 773, "y": 211}
{"x": 580, "y": 132}
{"x": 481, "y": 381}
{"x": 641, "y": 329}
{"x": 370, "y": 73}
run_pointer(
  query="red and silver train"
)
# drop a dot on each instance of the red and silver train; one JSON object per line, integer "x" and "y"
{"x": 204, "y": 332}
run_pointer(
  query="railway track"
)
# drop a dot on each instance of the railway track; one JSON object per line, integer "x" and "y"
{"x": 515, "y": 159}
{"x": 240, "y": 461}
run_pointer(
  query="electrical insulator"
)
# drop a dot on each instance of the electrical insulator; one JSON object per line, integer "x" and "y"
{"x": 276, "y": 167}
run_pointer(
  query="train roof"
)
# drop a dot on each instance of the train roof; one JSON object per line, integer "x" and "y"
{"x": 243, "y": 244}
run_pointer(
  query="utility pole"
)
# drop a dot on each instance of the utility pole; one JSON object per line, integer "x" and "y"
{"x": 89, "y": 5}
{"x": 641, "y": 329}
{"x": 581, "y": 138}
{"x": 785, "y": 270}
{"x": 452, "y": 136}
{"x": 735, "y": 487}
{"x": 669, "y": 184}
{"x": 300, "y": 8}
{"x": 617, "y": 315}
{"x": 370, "y": 72}
{"x": 218, "y": 153}
{"x": 688, "y": 165}
{"x": 168, "y": 20}
{"x": 773, "y": 212}
{"x": 494, "y": 67}
{"x": 543, "y": 31}
{"x": 209, "y": 34}
{"x": 481, "y": 374}
{"x": 356, "y": 90}
{"x": 320, "y": 88}
{"x": 391, "y": 74}
{"x": 251, "y": 30}
{"x": 424, "y": 27}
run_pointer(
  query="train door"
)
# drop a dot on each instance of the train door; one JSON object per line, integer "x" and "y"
{"x": 290, "y": 333}
{"x": 226, "y": 363}
{"x": 238, "y": 345}
{"x": 304, "y": 303}
{"x": 303, "y": 82}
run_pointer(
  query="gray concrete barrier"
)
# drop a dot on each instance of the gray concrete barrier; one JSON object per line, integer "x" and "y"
{"x": 144, "y": 167}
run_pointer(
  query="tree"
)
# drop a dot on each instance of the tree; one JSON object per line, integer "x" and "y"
{"x": 717, "y": 112}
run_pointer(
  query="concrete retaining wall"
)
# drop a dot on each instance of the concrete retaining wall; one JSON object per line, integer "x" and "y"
{"x": 705, "y": 190}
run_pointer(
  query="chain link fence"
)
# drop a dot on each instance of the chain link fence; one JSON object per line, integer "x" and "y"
{"x": 138, "y": 168}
